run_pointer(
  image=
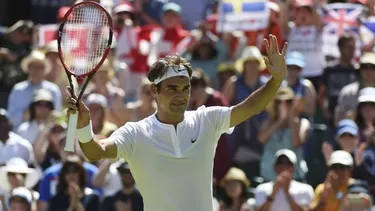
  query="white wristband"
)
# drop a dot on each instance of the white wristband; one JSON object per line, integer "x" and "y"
{"x": 85, "y": 134}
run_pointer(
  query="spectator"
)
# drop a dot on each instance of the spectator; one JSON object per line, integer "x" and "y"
{"x": 203, "y": 95}
{"x": 21, "y": 95}
{"x": 14, "y": 46}
{"x": 347, "y": 139}
{"x": 50, "y": 180}
{"x": 365, "y": 114}
{"x": 357, "y": 197}
{"x": 16, "y": 174}
{"x": 205, "y": 51}
{"x": 235, "y": 184}
{"x": 143, "y": 107}
{"x": 21, "y": 200}
{"x": 13, "y": 145}
{"x": 284, "y": 130}
{"x": 336, "y": 77}
{"x": 304, "y": 35}
{"x": 225, "y": 71}
{"x": 347, "y": 100}
{"x": 149, "y": 11}
{"x": 328, "y": 195}
{"x": 284, "y": 193}
{"x": 72, "y": 190}
{"x": 247, "y": 149}
{"x": 303, "y": 88}
{"x": 48, "y": 146}
{"x": 41, "y": 115}
{"x": 98, "y": 104}
{"x": 128, "y": 198}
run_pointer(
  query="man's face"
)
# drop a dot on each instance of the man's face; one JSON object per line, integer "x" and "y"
{"x": 348, "y": 142}
{"x": 283, "y": 164}
{"x": 173, "y": 95}
{"x": 348, "y": 49}
{"x": 171, "y": 19}
{"x": 343, "y": 172}
{"x": 367, "y": 72}
{"x": 37, "y": 70}
{"x": 18, "y": 204}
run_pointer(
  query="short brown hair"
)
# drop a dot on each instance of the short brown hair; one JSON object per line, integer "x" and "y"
{"x": 160, "y": 67}
{"x": 200, "y": 78}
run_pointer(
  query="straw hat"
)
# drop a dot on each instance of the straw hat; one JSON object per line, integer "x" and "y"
{"x": 235, "y": 174}
{"x": 19, "y": 165}
{"x": 35, "y": 56}
{"x": 285, "y": 93}
{"x": 250, "y": 53}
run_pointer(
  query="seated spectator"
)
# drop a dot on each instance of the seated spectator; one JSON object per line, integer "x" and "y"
{"x": 16, "y": 174}
{"x": 21, "y": 95}
{"x": 235, "y": 184}
{"x": 50, "y": 180}
{"x": 13, "y": 145}
{"x": 49, "y": 145}
{"x": 357, "y": 197}
{"x": 328, "y": 195}
{"x": 97, "y": 104}
{"x": 205, "y": 51}
{"x": 21, "y": 200}
{"x": 303, "y": 88}
{"x": 128, "y": 198}
{"x": 41, "y": 115}
{"x": 347, "y": 100}
{"x": 365, "y": 113}
{"x": 283, "y": 193}
{"x": 72, "y": 189}
{"x": 285, "y": 129}
{"x": 346, "y": 139}
{"x": 225, "y": 71}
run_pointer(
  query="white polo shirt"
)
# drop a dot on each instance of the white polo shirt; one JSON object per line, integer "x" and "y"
{"x": 303, "y": 194}
{"x": 173, "y": 167}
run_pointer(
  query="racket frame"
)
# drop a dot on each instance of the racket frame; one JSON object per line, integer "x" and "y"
{"x": 73, "y": 118}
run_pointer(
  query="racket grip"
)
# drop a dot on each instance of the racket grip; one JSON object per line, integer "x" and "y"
{"x": 71, "y": 133}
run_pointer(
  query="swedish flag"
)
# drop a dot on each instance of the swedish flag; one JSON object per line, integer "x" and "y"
{"x": 242, "y": 6}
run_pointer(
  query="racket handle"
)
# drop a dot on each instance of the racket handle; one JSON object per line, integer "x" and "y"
{"x": 71, "y": 133}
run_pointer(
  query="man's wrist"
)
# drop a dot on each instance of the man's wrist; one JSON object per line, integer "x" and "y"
{"x": 85, "y": 134}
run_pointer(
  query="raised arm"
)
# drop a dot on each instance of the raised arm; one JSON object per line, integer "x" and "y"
{"x": 99, "y": 149}
{"x": 259, "y": 100}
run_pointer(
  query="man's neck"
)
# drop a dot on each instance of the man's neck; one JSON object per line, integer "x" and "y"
{"x": 367, "y": 83}
{"x": 292, "y": 81}
{"x": 345, "y": 62}
{"x": 169, "y": 119}
{"x": 35, "y": 82}
{"x": 128, "y": 190}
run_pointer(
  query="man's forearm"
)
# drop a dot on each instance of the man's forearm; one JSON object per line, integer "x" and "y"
{"x": 256, "y": 102}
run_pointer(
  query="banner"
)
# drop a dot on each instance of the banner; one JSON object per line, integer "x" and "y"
{"x": 340, "y": 18}
{"x": 45, "y": 34}
{"x": 244, "y": 15}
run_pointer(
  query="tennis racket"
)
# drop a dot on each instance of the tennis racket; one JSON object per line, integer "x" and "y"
{"x": 84, "y": 41}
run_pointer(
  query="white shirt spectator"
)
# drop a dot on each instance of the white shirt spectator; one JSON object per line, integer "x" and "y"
{"x": 171, "y": 165}
{"x": 302, "y": 194}
{"x": 16, "y": 146}
{"x": 29, "y": 131}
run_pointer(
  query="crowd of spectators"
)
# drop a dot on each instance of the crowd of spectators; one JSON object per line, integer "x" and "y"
{"x": 313, "y": 148}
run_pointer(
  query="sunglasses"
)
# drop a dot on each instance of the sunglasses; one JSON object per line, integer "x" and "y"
{"x": 43, "y": 104}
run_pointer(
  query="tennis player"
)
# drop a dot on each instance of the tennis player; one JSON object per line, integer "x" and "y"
{"x": 170, "y": 153}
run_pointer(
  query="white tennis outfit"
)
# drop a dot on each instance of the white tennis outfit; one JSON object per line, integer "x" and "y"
{"x": 173, "y": 166}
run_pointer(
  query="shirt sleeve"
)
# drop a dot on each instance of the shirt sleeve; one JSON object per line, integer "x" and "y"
{"x": 14, "y": 111}
{"x": 318, "y": 192}
{"x": 220, "y": 118}
{"x": 44, "y": 188}
{"x": 124, "y": 140}
{"x": 260, "y": 197}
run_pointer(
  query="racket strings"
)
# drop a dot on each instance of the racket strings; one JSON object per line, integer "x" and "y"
{"x": 84, "y": 39}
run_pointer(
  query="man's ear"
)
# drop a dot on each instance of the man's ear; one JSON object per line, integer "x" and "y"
{"x": 154, "y": 90}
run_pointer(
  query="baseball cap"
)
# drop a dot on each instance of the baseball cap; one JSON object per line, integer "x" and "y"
{"x": 368, "y": 58}
{"x": 367, "y": 95}
{"x": 295, "y": 58}
{"x": 124, "y": 7}
{"x": 172, "y": 7}
{"x": 97, "y": 99}
{"x": 341, "y": 157}
{"x": 347, "y": 126}
{"x": 42, "y": 95}
{"x": 23, "y": 193}
{"x": 287, "y": 153}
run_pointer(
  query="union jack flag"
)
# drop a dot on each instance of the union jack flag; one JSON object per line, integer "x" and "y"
{"x": 340, "y": 18}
